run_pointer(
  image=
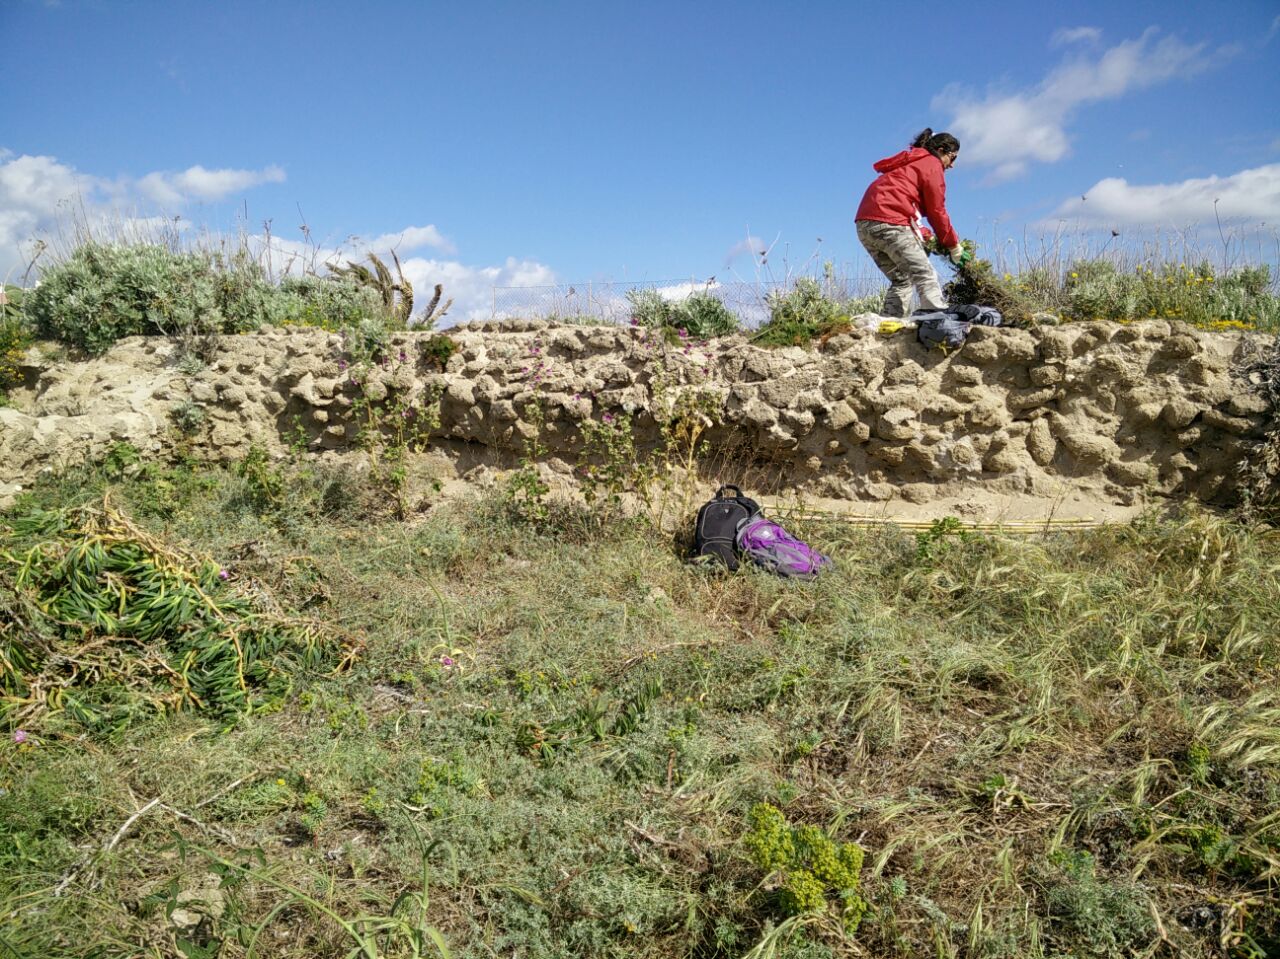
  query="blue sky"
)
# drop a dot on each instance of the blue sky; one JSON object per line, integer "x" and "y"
{"x": 532, "y": 142}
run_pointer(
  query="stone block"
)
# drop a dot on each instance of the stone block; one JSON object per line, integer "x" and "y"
{"x": 1180, "y": 347}
{"x": 1237, "y": 425}
{"x": 1041, "y": 443}
{"x": 1248, "y": 404}
{"x": 1046, "y": 375}
{"x": 898, "y": 423}
{"x": 1087, "y": 446}
{"x": 1132, "y": 473}
{"x": 1055, "y": 345}
{"x": 840, "y": 414}
{"x": 1029, "y": 399}
{"x": 1007, "y": 459}
{"x": 1179, "y": 412}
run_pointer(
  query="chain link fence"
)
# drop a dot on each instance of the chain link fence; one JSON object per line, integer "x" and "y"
{"x": 607, "y": 301}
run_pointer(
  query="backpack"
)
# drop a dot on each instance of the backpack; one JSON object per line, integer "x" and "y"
{"x": 717, "y": 526}
{"x": 771, "y": 547}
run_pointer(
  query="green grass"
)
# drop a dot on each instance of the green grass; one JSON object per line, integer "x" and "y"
{"x": 556, "y": 735}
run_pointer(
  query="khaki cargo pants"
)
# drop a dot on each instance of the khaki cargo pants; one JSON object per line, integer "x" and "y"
{"x": 898, "y": 253}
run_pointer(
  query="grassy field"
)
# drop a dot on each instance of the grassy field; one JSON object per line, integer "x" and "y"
{"x": 557, "y": 739}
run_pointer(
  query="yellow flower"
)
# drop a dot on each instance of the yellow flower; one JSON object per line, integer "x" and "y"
{"x": 1075, "y": 275}
{"x": 279, "y": 782}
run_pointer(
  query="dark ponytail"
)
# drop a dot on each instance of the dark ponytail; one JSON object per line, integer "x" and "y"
{"x": 936, "y": 143}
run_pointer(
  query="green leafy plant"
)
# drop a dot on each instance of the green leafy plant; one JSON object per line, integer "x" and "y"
{"x": 1109, "y": 917}
{"x": 329, "y": 302}
{"x": 394, "y": 421}
{"x": 189, "y": 417}
{"x": 401, "y": 928}
{"x": 264, "y": 482}
{"x": 525, "y": 493}
{"x": 15, "y": 338}
{"x": 438, "y": 349}
{"x": 610, "y": 464}
{"x": 815, "y": 873}
{"x": 801, "y": 314}
{"x": 111, "y": 624}
{"x": 932, "y": 541}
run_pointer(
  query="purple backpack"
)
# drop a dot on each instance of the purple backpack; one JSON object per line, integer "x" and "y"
{"x": 771, "y": 547}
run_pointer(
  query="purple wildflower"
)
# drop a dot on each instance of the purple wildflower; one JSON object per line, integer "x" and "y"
{"x": 223, "y": 574}
{"x": 447, "y": 661}
{"x": 608, "y": 417}
{"x": 403, "y": 356}
{"x": 342, "y": 364}
{"x": 19, "y": 735}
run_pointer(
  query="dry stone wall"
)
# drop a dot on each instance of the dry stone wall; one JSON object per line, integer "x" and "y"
{"x": 1120, "y": 409}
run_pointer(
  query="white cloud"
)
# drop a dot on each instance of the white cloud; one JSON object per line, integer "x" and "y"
{"x": 197, "y": 183}
{"x": 34, "y": 191}
{"x": 410, "y": 238}
{"x": 1009, "y": 131}
{"x": 1070, "y": 35}
{"x": 471, "y": 287}
{"x": 682, "y": 291}
{"x": 1250, "y": 196}
{"x": 42, "y": 198}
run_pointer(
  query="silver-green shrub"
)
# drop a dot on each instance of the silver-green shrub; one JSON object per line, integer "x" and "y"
{"x": 101, "y": 293}
{"x": 699, "y": 315}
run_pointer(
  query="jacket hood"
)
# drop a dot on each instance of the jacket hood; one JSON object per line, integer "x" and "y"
{"x": 901, "y": 159}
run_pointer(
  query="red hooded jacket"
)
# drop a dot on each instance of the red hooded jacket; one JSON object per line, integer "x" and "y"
{"x": 910, "y": 182}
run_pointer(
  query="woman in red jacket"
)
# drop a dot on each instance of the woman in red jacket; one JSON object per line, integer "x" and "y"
{"x": 910, "y": 182}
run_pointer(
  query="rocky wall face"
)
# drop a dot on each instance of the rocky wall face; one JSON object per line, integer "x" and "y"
{"x": 1118, "y": 408}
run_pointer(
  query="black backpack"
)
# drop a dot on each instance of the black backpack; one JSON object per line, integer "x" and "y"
{"x": 715, "y": 533}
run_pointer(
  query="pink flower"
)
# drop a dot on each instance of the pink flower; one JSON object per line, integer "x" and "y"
{"x": 19, "y": 735}
{"x": 447, "y": 661}
{"x": 223, "y": 574}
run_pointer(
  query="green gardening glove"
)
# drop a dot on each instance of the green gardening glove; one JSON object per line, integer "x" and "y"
{"x": 959, "y": 255}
